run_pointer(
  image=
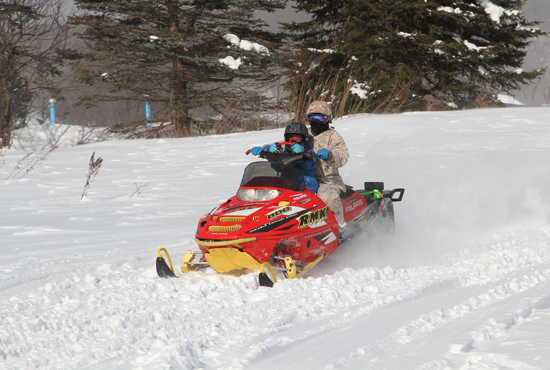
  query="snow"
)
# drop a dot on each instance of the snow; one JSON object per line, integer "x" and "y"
{"x": 232, "y": 39}
{"x": 327, "y": 51}
{"x": 473, "y": 47}
{"x": 36, "y": 137}
{"x": 248, "y": 45}
{"x": 360, "y": 89}
{"x": 494, "y": 11}
{"x": 464, "y": 283}
{"x": 245, "y": 44}
{"x": 231, "y": 62}
{"x": 506, "y": 99}
{"x": 448, "y": 9}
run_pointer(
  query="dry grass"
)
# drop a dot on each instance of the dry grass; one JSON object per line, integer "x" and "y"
{"x": 338, "y": 89}
{"x": 486, "y": 98}
{"x": 93, "y": 169}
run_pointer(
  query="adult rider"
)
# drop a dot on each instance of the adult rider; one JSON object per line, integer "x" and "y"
{"x": 331, "y": 148}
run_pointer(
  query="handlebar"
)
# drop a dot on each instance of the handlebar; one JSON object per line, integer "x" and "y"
{"x": 278, "y": 144}
{"x": 317, "y": 156}
{"x": 288, "y": 143}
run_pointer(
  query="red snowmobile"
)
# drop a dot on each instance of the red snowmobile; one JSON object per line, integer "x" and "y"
{"x": 274, "y": 217}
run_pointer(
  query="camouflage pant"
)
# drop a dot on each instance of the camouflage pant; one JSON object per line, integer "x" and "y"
{"x": 330, "y": 194}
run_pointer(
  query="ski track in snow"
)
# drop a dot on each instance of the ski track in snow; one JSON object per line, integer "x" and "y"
{"x": 459, "y": 286}
{"x": 118, "y": 309}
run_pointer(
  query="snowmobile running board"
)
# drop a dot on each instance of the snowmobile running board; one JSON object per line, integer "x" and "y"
{"x": 308, "y": 267}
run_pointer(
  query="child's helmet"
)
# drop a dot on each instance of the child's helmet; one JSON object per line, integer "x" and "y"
{"x": 297, "y": 128}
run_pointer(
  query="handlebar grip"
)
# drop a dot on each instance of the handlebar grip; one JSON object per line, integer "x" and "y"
{"x": 330, "y": 155}
{"x": 248, "y": 151}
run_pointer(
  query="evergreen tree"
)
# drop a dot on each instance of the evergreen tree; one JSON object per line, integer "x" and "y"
{"x": 398, "y": 53}
{"x": 24, "y": 96}
{"x": 170, "y": 52}
{"x": 33, "y": 34}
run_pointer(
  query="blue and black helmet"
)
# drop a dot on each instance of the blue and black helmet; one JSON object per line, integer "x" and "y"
{"x": 297, "y": 128}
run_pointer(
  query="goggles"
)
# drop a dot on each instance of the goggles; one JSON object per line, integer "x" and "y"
{"x": 294, "y": 138}
{"x": 318, "y": 118}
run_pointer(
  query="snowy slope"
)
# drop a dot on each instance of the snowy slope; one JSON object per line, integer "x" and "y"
{"x": 463, "y": 284}
{"x": 36, "y": 137}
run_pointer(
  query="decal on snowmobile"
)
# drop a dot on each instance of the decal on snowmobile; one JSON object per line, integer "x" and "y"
{"x": 296, "y": 197}
{"x": 231, "y": 209}
{"x": 322, "y": 233}
{"x": 211, "y": 212}
{"x": 312, "y": 218}
{"x": 287, "y": 227}
{"x": 278, "y": 212}
{"x": 243, "y": 211}
{"x": 329, "y": 238}
{"x": 352, "y": 199}
{"x": 354, "y": 205}
{"x": 325, "y": 237}
{"x": 305, "y": 201}
{"x": 275, "y": 224}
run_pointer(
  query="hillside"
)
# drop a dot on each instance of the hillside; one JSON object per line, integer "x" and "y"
{"x": 464, "y": 283}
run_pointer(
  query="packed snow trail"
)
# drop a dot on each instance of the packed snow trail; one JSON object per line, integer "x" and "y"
{"x": 118, "y": 312}
{"x": 460, "y": 286}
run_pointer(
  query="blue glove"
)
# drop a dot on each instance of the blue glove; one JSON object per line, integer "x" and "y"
{"x": 296, "y": 148}
{"x": 324, "y": 154}
{"x": 256, "y": 150}
{"x": 274, "y": 148}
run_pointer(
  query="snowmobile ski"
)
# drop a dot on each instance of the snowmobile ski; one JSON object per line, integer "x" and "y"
{"x": 162, "y": 268}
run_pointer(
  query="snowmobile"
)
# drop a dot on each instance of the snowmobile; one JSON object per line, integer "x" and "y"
{"x": 274, "y": 220}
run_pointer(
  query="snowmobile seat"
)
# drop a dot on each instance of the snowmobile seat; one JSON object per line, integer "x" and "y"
{"x": 346, "y": 194}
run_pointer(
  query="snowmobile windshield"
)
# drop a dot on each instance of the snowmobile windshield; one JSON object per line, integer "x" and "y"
{"x": 273, "y": 175}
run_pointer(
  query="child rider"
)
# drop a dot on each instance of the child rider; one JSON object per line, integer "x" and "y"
{"x": 297, "y": 134}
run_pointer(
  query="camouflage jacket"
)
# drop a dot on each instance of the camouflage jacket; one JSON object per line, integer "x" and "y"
{"x": 326, "y": 172}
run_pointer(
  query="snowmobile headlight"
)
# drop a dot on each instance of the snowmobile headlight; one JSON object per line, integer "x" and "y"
{"x": 267, "y": 194}
{"x": 246, "y": 195}
{"x": 257, "y": 195}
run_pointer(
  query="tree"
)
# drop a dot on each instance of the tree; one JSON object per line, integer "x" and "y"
{"x": 402, "y": 52}
{"x": 181, "y": 54}
{"x": 33, "y": 35}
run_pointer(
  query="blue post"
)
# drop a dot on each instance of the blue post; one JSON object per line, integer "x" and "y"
{"x": 148, "y": 112}
{"x": 52, "y": 110}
